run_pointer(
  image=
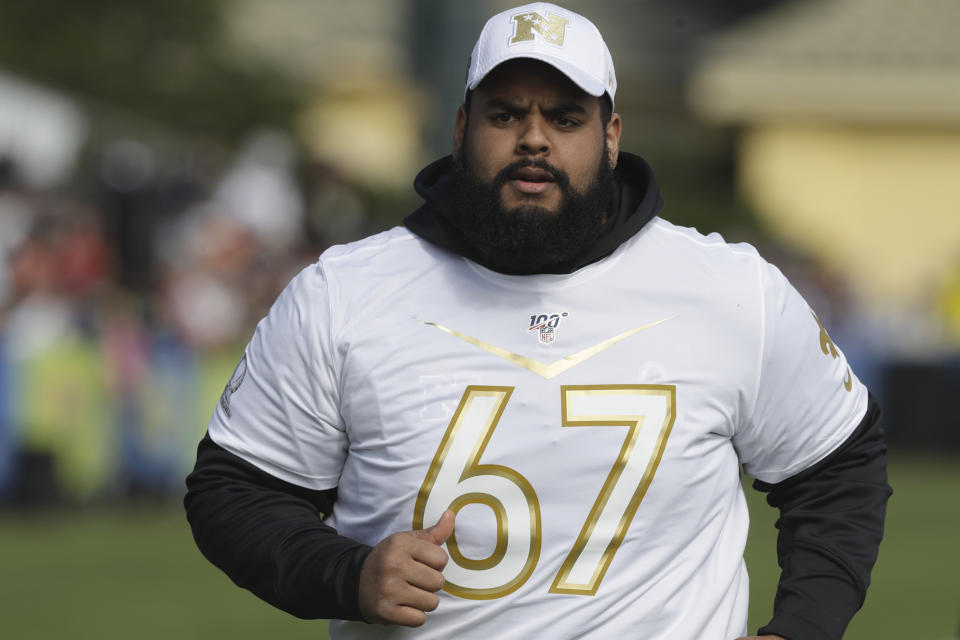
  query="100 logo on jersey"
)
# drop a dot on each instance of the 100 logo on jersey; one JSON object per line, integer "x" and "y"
{"x": 546, "y": 325}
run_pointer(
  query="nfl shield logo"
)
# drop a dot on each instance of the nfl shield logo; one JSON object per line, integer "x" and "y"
{"x": 545, "y": 324}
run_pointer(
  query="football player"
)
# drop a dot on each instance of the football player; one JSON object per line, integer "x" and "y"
{"x": 523, "y": 414}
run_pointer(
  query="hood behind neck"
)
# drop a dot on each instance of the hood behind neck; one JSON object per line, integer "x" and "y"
{"x": 637, "y": 200}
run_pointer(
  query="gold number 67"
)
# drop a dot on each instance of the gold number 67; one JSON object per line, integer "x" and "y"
{"x": 457, "y": 478}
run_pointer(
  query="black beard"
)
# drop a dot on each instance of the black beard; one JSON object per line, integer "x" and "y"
{"x": 529, "y": 239}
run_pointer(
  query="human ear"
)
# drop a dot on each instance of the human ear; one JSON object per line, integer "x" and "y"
{"x": 612, "y": 134}
{"x": 459, "y": 130}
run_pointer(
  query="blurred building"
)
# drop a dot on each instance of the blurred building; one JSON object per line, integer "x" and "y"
{"x": 353, "y": 55}
{"x": 849, "y": 145}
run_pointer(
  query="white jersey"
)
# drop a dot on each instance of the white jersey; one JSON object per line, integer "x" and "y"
{"x": 587, "y": 428}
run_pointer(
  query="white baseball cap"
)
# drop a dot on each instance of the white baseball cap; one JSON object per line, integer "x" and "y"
{"x": 551, "y": 34}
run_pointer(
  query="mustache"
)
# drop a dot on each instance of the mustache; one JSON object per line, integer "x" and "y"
{"x": 559, "y": 176}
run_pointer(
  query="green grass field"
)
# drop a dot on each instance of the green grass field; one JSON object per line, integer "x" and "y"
{"x": 915, "y": 589}
{"x": 136, "y": 573}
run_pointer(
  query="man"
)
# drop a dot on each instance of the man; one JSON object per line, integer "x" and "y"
{"x": 523, "y": 414}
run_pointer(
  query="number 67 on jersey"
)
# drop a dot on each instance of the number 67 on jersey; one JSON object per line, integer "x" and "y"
{"x": 456, "y": 478}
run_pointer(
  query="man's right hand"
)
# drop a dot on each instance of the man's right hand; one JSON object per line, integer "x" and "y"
{"x": 400, "y": 577}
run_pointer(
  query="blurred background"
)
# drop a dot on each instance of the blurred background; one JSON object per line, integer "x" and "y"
{"x": 166, "y": 166}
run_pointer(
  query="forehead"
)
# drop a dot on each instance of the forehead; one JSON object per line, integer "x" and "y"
{"x": 526, "y": 80}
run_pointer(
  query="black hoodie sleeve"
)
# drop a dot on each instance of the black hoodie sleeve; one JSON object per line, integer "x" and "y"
{"x": 267, "y": 536}
{"x": 830, "y": 524}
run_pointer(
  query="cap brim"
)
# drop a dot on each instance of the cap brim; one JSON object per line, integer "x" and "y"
{"x": 579, "y": 78}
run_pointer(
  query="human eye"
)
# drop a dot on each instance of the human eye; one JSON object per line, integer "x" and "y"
{"x": 566, "y": 122}
{"x": 503, "y": 117}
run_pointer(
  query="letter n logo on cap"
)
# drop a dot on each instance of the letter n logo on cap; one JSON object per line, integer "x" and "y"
{"x": 551, "y": 29}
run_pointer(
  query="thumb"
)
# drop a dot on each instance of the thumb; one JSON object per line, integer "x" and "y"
{"x": 438, "y": 533}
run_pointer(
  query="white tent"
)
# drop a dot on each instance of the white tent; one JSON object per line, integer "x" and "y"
{"x": 40, "y": 131}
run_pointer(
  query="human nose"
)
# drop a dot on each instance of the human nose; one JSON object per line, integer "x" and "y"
{"x": 533, "y": 138}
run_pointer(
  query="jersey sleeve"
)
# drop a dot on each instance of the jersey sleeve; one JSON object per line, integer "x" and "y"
{"x": 807, "y": 399}
{"x": 279, "y": 410}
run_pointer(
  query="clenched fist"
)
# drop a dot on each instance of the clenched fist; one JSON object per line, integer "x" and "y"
{"x": 400, "y": 577}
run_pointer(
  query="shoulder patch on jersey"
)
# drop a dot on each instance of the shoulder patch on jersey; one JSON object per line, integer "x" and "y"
{"x": 830, "y": 349}
{"x": 233, "y": 384}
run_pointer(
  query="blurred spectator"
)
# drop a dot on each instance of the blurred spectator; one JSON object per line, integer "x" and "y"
{"x": 336, "y": 213}
{"x": 15, "y": 219}
{"x": 203, "y": 289}
{"x": 59, "y": 418}
{"x": 152, "y": 382}
{"x": 8, "y": 409}
{"x": 259, "y": 190}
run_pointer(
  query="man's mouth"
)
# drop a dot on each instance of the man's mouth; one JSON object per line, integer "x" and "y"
{"x": 531, "y": 180}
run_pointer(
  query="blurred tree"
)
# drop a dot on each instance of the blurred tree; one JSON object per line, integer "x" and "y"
{"x": 168, "y": 59}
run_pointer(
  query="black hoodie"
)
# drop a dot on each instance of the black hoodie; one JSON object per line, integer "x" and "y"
{"x": 636, "y": 201}
{"x": 268, "y": 535}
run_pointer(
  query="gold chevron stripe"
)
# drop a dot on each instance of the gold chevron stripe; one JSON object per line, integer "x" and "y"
{"x": 543, "y": 369}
